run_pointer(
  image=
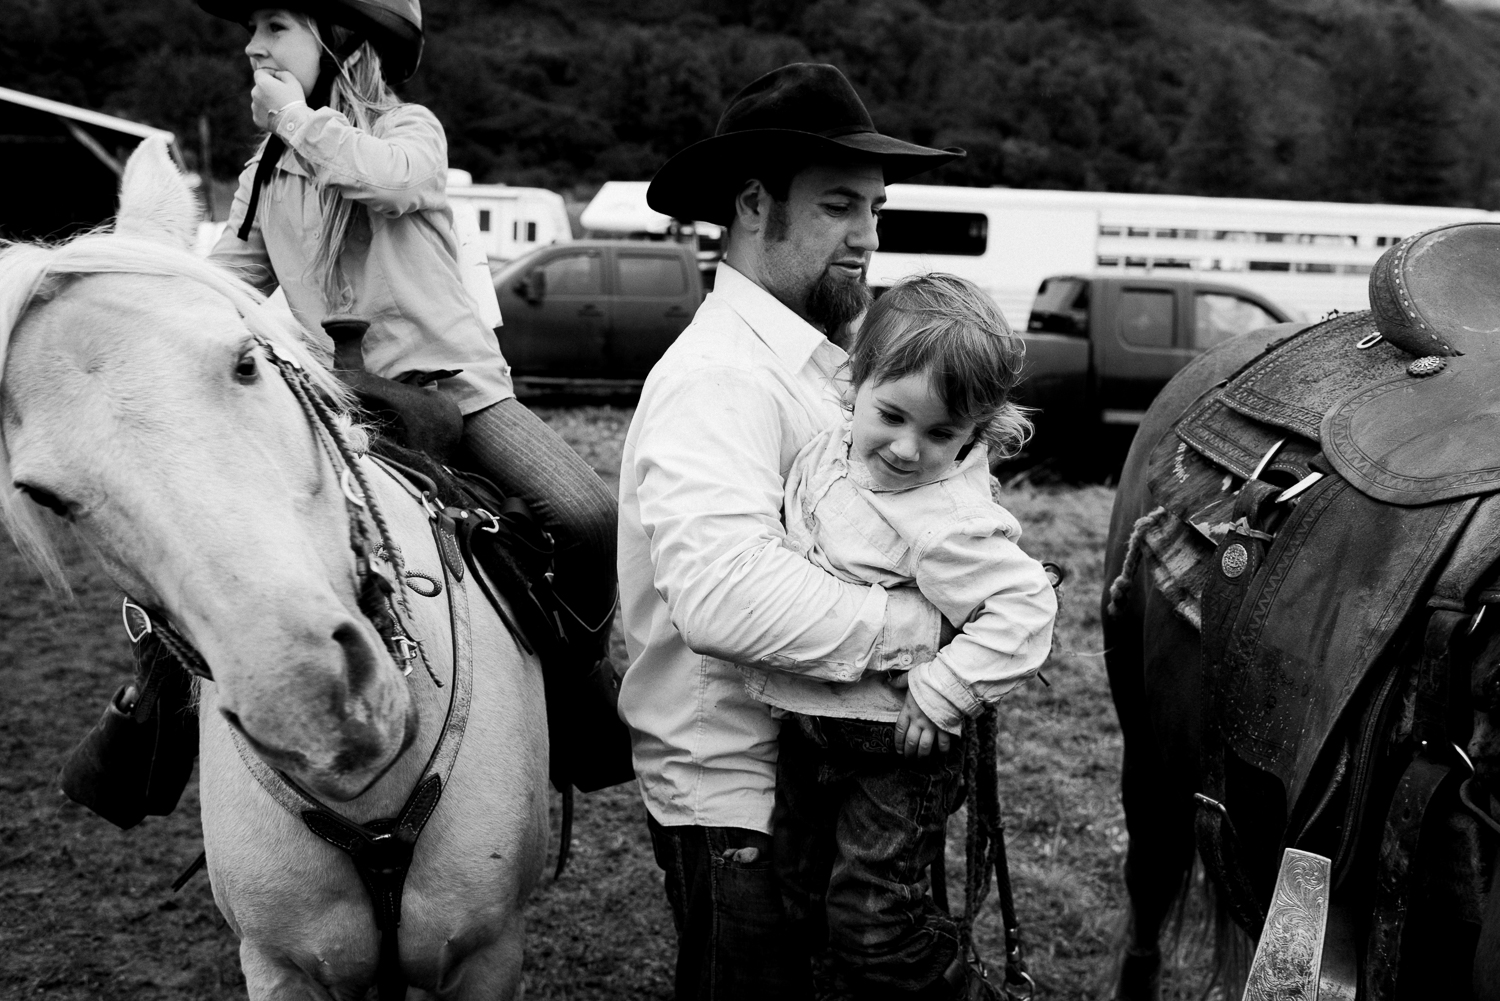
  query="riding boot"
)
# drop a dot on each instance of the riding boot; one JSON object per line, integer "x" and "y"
{"x": 137, "y": 759}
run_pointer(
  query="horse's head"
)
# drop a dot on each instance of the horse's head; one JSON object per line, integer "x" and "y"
{"x": 137, "y": 403}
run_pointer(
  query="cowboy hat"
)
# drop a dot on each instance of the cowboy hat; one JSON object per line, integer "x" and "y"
{"x": 798, "y": 114}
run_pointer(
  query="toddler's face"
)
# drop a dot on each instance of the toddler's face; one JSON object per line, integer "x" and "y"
{"x": 903, "y": 431}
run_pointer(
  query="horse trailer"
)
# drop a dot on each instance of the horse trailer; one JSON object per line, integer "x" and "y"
{"x": 1308, "y": 257}
{"x": 510, "y": 221}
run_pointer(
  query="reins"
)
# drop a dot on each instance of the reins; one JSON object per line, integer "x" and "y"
{"x": 984, "y": 852}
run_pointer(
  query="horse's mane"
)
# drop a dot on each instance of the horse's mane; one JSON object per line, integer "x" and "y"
{"x": 32, "y": 270}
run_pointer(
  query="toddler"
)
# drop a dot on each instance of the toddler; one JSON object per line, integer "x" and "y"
{"x": 899, "y": 494}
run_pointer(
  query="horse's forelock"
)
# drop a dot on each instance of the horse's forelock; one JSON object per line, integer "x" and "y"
{"x": 33, "y": 273}
{"x": 23, "y": 273}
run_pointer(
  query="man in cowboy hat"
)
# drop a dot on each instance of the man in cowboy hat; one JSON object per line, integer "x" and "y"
{"x": 796, "y": 171}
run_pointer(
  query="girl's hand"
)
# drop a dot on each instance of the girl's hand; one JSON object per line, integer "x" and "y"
{"x": 916, "y": 733}
{"x": 274, "y": 90}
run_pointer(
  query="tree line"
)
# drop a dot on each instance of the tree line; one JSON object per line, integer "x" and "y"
{"x": 1371, "y": 100}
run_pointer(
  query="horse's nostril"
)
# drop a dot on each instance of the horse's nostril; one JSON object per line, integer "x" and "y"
{"x": 359, "y": 659}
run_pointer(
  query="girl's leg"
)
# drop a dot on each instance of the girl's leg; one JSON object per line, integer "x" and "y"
{"x": 884, "y": 929}
{"x": 527, "y": 459}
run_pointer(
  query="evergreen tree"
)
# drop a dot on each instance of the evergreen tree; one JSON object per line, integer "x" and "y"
{"x": 1216, "y": 154}
{"x": 1390, "y": 118}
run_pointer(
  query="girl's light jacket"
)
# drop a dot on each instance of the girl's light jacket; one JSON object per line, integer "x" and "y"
{"x": 949, "y": 538}
{"x": 402, "y": 258}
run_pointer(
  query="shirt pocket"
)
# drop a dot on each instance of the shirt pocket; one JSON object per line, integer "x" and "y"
{"x": 850, "y": 523}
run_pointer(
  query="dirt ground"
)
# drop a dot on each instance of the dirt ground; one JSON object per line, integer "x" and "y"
{"x": 86, "y": 911}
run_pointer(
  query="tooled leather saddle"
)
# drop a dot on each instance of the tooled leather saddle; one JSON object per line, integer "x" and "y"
{"x": 1349, "y": 481}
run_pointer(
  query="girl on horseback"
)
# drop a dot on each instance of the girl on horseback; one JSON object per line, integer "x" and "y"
{"x": 344, "y": 208}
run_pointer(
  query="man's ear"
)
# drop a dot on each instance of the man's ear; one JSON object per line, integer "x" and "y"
{"x": 752, "y": 206}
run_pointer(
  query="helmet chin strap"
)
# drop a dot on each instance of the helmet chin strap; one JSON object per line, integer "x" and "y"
{"x": 329, "y": 69}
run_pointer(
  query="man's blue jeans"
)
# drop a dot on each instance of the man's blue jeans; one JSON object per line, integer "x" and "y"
{"x": 733, "y": 941}
{"x": 856, "y": 829}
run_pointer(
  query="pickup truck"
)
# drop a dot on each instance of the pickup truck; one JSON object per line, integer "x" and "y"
{"x": 595, "y": 310}
{"x": 1098, "y": 350}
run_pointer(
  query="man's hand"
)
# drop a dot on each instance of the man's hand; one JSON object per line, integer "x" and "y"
{"x": 916, "y": 733}
{"x": 274, "y": 90}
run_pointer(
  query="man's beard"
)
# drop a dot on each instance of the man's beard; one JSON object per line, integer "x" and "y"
{"x": 834, "y": 301}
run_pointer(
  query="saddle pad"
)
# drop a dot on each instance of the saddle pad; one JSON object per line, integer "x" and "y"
{"x": 1343, "y": 574}
{"x": 1413, "y": 441}
{"x": 1295, "y": 383}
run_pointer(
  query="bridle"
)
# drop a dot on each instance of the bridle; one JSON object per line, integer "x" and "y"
{"x": 380, "y": 601}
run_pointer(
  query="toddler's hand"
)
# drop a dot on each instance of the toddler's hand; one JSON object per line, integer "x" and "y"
{"x": 916, "y": 733}
{"x": 274, "y": 90}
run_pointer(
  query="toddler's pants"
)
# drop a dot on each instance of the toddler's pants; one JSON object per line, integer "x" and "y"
{"x": 856, "y": 828}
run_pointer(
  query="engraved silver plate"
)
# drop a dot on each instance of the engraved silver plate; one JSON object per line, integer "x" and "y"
{"x": 1289, "y": 957}
{"x": 1234, "y": 561}
{"x": 1431, "y": 365}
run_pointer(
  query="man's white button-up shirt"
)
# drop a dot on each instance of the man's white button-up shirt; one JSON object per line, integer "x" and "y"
{"x": 708, "y": 579}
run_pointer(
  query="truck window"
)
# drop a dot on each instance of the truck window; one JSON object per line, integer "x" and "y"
{"x": 573, "y": 274}
{"x": 1148, "y": 316}
{"x": 649, "y": 275}
{"x": 1220, "y": 316}
{"x": 908, "y": 231}
{"x": 1061, "y": 307}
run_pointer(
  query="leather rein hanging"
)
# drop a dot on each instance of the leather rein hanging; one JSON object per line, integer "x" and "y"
{"x": 381, "y": 850}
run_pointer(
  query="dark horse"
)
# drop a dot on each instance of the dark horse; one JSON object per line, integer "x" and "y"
{"x": 1167, "y": 714}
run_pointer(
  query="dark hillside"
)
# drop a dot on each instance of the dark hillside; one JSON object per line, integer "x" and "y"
{"x": 1366, "y": 100}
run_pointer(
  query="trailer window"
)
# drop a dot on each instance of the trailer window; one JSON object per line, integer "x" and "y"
{"x": 1220, "y": 317}
{"x": 1147, "y": 317}
{"x": 961, "y": 234}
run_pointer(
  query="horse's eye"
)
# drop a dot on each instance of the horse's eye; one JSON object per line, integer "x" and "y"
{"x": 245, "y": 369}
{"x": 46, "y": 499}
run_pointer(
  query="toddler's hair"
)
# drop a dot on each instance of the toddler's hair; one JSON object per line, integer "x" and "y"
{"x": 948, "y": 327}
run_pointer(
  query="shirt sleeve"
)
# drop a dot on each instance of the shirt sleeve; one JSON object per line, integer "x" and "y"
{"x": 1003, "y": 602}
{"x": 402, "y": 169}
{"x": 248, "y": 259}
{"x": 709, "y": 484}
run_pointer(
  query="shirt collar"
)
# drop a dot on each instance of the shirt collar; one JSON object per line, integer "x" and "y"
{"x": 788, "y": 335}
{"x": 288, "y": 161}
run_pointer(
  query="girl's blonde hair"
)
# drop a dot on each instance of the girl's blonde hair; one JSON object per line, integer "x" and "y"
{"x": 947, "y": 327}
{"x": 361, "y": 95}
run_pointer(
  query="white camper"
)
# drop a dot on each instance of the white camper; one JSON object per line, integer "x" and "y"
{"x": 510, "y": 221}
{"x": 1308, "y": 257}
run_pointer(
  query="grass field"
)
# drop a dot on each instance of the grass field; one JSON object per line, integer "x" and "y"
{"x": 86, "y": 911}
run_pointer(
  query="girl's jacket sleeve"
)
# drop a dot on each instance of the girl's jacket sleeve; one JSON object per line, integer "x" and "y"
{"x": 1004, "y": 606}
{"x": 400, "y": 167}
{"x": 248, "y": 259}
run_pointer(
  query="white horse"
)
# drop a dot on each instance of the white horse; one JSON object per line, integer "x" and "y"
{"x": 138, "y": 401}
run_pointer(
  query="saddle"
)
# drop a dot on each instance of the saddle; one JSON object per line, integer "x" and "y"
{"x": 1348, "y": 482}
{"x": 419, "y": 436}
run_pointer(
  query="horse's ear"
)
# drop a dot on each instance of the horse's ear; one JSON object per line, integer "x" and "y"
{"x": 155, "y": 200}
